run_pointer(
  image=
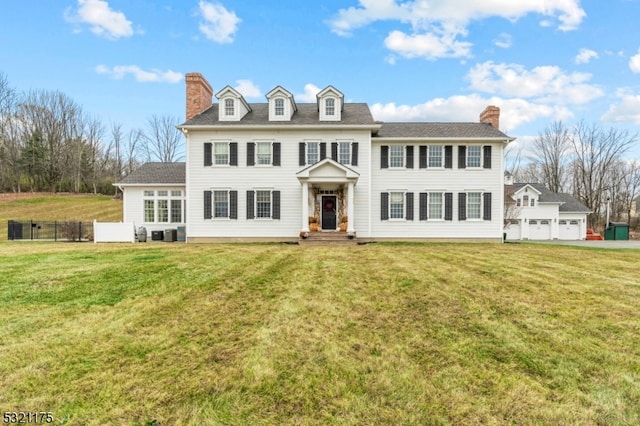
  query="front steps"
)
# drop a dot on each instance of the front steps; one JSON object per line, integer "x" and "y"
{"x": 328, "y": 238}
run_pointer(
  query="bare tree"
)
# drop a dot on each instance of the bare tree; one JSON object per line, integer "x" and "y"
{"x": 597, "y": 151}
{"x": 551, "y": 156}
{"x": 9, "y": 139}
{"x": 163, "y": 142}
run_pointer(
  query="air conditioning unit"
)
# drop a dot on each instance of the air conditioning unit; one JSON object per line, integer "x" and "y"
{"x": 170, "y": 235}
{"x": 157, "y": 235}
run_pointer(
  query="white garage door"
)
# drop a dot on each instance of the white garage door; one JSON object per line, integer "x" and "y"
{"x": 539, "y": 229}
{"x": 569, "y": 230}
{"x": 513, "y": 231}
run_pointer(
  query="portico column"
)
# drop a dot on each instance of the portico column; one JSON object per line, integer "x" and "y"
{"x": 351, "y": 208}
{"x": 305, "y": 206}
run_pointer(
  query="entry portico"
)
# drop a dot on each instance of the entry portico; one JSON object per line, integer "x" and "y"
{"x": 328, "y": 190}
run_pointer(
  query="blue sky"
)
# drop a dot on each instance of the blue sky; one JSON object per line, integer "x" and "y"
{"x": 425, "y": 60}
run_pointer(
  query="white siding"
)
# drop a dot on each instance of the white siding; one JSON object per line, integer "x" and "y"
{"x": 133, "y": 205}
{"x": 243, "y": 178}
{"x": 452, "y": 180}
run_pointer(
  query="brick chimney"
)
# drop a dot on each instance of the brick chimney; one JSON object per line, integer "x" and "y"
{"x": 199, "y": 94}
{"x": 491, "y": 115}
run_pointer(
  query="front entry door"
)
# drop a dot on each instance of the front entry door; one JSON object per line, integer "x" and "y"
{"x": 329, "y": 219}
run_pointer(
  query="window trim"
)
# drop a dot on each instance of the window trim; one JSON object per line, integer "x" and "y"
{"x": 402, "y": 157}
{"x": 161, "y": 202}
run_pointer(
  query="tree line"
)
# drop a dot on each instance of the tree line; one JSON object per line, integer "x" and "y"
{"x": 589, "y": 162}
{"x": 48, "y": 142}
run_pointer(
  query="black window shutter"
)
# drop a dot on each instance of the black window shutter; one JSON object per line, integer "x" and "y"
{"x": 409, "y": 205}
{"x": 233, "y": 157}
{"x": 448, "y": 206}
{"x": 323, "y": 150}
{"x": 424, "y": 197}
{"x": 384, "y": 206}
{"x": 354, "y": 153}
{"x": 276, "y": 153}
{"x": 486, "y": 206}
{"x": 462, "y": 157}
{"x": 384, "y": 157}
{"x": 448, "y": 156}
{"x": 409, "y": 150}
{"x": 275, "y": 208}
{"x": 250, "y": 197}
{"x": 251, "y": 154}
{"x": 334, "y": 151}
{"x": 207, "y": 205}
{"x": 487, "y": 156}
{"x": 462, "y": 206}
{"x": 233, "y": 204}
{"x": 422, "y": 157}
{"x": 207, "y": 154}
{"x": 302, "y": 154}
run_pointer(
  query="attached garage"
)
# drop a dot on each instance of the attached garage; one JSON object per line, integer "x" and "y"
{"x": 540, "y": 229}
{"x": 569, "y": 230}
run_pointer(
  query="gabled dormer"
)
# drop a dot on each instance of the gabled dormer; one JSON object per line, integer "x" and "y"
{"x": 282, "y": 106}
{"x": 330, "y": 102}
{"x": 232, "y": 106}
{"x": 527, "y": 196}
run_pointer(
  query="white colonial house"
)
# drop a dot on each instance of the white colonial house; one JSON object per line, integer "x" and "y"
{"x": 535, "y": 213}
{"x": 260, "y": 171}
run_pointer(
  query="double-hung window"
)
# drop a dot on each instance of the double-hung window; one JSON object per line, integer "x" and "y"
{"x": 263, "y": 204}
{"x": 396, "y": 205}
{"x": 221, "y": 153}
{"x": 434, "y": 207}
{"x": 344, "y": 152}
{"x": 474, "y": 156}
{"x": 279, "y": 107}
{"x": 435, "y": 155}
{"x": 330, "y": 106}
{"x": 474, "y": 205}
{"x": 149, "y": 208}
{"x": 263, "y": 153}
{"x": 229, "y": 107}
{"x": 220, "y": 204}
{"x": 396, "y": 156}
{"x": 313, "y": 152}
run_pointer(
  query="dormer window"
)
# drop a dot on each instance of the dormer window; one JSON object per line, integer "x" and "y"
{"x": 279, "y": 107}
{"x": 330, "y": 106}
{"x": 330, "y": 102}
{"x": 229, "y": 107}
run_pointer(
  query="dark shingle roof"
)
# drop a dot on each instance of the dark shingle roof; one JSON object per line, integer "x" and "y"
{"x": 439, "y": 130}
{"x": 156, "y": 173}
{"x": 307, "y": 114}
{"x": 569, "y": 204}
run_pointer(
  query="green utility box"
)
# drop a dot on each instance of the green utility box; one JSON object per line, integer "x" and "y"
{"x": 616, "y": 231}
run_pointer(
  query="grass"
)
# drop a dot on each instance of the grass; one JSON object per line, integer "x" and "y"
{"x": 145, "y": 334}
{"x": 159, "y": 334}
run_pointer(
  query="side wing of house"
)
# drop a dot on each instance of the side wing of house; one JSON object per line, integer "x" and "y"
{"x": 440, "y": 186}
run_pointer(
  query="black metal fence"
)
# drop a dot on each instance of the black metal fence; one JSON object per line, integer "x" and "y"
{"x": 50, "y": 231}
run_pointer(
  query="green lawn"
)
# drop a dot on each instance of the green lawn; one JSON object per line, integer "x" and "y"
{"x": 159, "y": 333}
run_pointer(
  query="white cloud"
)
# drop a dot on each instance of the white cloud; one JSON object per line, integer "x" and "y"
{"x": 626, "y": 110}
{"x": 543, "y": 83}
{"x": 504, "y": 41}
{"x": 104, "y": 21}
{"x": 219, "y": 24}
{"x": 248, "y": 89}
{"x": 429, "y": 46}
{"x": 436, "y": 25}
{"x": 634, "y": 63}
{"x": 309, "y": 95}
{"x": 118, "y": 72}
{"x": 585, "y": 56}
{"x": 514, "y": 112}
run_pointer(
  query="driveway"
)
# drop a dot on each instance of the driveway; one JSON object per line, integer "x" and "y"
{"x": 606, "y": 244}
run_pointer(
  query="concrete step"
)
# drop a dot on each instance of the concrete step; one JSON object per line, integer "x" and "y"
{"x": 327, "y": 238}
